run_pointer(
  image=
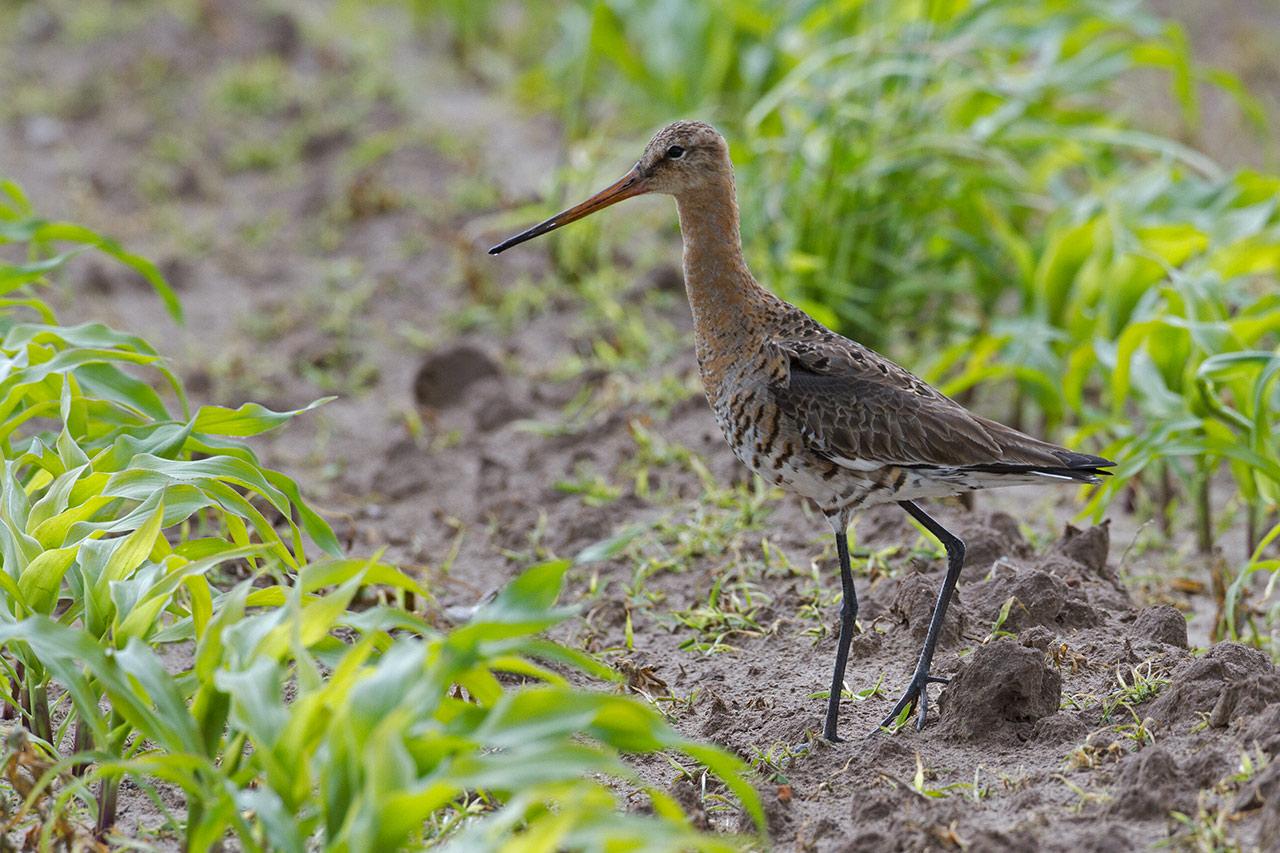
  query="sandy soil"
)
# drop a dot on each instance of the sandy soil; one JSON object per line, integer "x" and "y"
{"x": 330, "y": 241}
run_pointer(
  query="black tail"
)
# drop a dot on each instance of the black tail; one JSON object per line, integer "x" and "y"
{"x": 1081, "y": 467}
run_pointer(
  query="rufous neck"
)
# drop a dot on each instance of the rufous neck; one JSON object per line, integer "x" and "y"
{"x": 715, "y": 272}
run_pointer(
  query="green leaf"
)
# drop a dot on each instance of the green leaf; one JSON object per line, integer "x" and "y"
{"x": 249, "y": 419}
{"x": 608, "y": 548}
{"x": 69, "y": 232}
{"x": 135, "y": 548}
{"x": 41, "y": 580}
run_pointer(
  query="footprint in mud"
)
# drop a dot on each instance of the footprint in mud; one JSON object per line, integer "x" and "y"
{"x": 465, "y": 379}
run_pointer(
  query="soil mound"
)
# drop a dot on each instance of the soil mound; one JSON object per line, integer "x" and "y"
{"x": 1040, "y": 598}
{"x": 913, "y": 605}
{"x": 1087, "y": 547}
{"x": 1000, "y": 694}
{"x": 1150, "y": 786}
{"x": 1229, "y": 682}
{"x": 1163, "y": 623}
{"x": 1263, "y": 731}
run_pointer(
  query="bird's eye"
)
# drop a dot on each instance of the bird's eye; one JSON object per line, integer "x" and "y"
{"x": 675, "y": 152}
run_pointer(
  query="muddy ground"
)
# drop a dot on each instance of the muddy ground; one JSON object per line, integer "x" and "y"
{"x": 320, "y": 184}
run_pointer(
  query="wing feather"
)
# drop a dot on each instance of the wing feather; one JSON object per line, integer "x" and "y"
{"x": 856, "y": 407}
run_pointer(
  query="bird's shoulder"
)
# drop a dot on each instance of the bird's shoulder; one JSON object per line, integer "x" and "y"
{"x": 818, "y": 356}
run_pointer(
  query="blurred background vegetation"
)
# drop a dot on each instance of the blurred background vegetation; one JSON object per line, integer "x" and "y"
{"x": 972, "y": 189}
{"x": 970, "y": 186}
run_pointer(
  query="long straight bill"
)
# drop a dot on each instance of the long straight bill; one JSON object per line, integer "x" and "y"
{"x": 630, "y": 185}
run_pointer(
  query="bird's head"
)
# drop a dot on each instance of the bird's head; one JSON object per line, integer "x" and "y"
{"x": 681, "y": 158}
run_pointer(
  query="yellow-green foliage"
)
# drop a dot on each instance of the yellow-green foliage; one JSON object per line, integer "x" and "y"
{"x": 296, "y": 720}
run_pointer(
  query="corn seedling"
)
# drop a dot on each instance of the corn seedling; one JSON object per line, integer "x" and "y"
{"x": 297, "y": 719}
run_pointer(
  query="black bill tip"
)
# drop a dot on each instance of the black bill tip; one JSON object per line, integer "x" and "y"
{"x": 536, "y": 231}
{"x": 627, "y": 187}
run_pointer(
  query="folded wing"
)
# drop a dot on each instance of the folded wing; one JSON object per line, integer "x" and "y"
{"x": 861, "y": 410}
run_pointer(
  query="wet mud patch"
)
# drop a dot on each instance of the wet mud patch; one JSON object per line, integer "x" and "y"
{"x": 1083, "y": 723}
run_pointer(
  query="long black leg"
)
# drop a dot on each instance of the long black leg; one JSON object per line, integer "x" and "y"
{"x": 917, "y": 692}
{"x": 848, "y": 616}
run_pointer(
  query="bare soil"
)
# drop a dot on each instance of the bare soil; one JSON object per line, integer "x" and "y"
{"x": 333, "y": 244}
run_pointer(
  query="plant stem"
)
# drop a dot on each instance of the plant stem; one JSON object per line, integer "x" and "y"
{"x": 10, "y": 711}
{"x": 109, "y": 789}
{"x": 1204, "y": 515}
{"x": 41, "y": 725}
{"x": 1166, "y": 499}
{"x": 1252, "y": 516}
{"x": 1220, "y": 585}
{"x": 108, "y": 794}
{"x": 83, "y": 742}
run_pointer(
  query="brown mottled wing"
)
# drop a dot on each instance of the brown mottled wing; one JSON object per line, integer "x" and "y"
{"x": 853, "y": 405}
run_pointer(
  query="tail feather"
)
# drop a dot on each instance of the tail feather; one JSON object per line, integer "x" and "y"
{"x": 1083, "y": 472}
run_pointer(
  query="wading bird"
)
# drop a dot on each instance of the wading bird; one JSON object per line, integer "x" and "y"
{"x": 810, "y": 410}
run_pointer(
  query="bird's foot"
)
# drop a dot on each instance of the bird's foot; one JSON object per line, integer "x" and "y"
{"x": 916, "y": 695}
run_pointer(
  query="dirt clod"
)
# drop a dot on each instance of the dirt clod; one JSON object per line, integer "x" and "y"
{"x": 106, "y": 279}
{"x": 1060, "y": 728}
{"x": 913, "y": 604}
{"x": 777, "y": 815}
{"x": 1163, "y": 623}
{"x": 877, "y": 805}
{"x": 497, "y": 408}
{"x": 1037, "y": 637}
{"x": 1087, "y": 547}
{"x": 1000, "y": 693}
{"x": 687, "y": 795}
{"x": 665, "y": 277}
{"x": 1263, "y": 731}
{"x": 988, "y": 539}
{"x": 1245, "y": 698}
{"x": 1148, "y": 786}
{"x": 865, "y": 645}
{"x": 1271, "y": 824}
{"x": 1200, "y": 686}
{"x": 1041, "y": 597}
{"x": 719, "y": 718}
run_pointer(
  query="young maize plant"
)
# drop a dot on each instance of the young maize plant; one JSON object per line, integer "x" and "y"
{"x": 173, "y": 612}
